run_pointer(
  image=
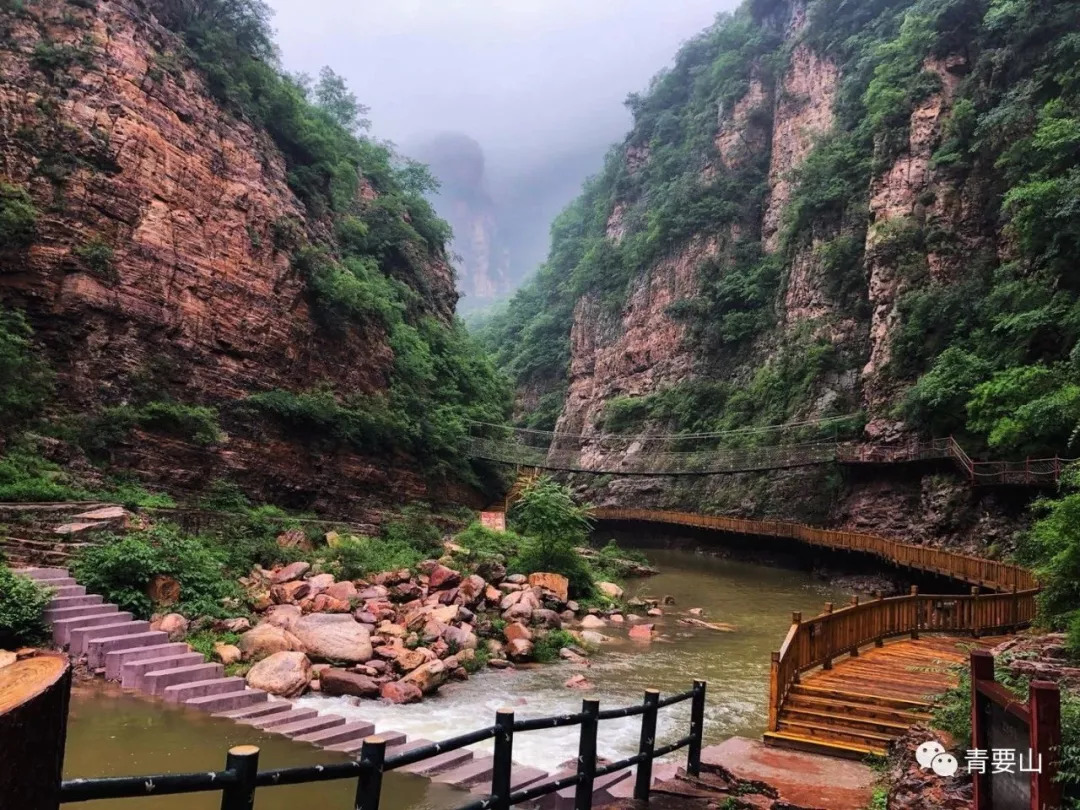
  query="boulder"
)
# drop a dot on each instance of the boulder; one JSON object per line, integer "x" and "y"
{"x": 407, "y": 660}
{"x": 592, "y": 637}
{"x": 448, "y": 597}
{"x": 669, "y": 600}
{"x": 500, "y": 663}
{"x": 324, "y": 603}
{"x": 290, "y": 572}
{"x": 518, "y": 612}
{"x": 294, "y": 538}
{"x": 519, "y": 650}
{"x": 696, "y": 612}
{"x": 345, "y": 591}
{"x": 320, "y": 582}
{"x": 610, "y": 590}
{"x": 428, "y": 677}
{"x": 592, "y": 622}
{"x": 517, "y": 579}
{"x": 163, "y": 590}
{"x": 569, "y": 655}
{"x": 290, "y": 592}
{"x": 641, "y": 632}
{"x": 390, "y": 629}
{"x": 343, "y": 682}
{"x": 266, "y": 639}
{"x": 400, "y": 692}
{"x": 283, "y": 615}
{"x": 471, "y": 590}
{"x": 616, "y": 618}
{"x": 492, "y": 571}
{"x": 406, "y": 591}
{"x": 578, "y": 681}
{"x": 445, "y": 613}
{"x": 511, "y": 599}
{"x": 283, "y": 673}
{"x": 443, "y": 577}
{"x": 556, "y": 583}
{"x": 238, "y": 625}
{"x": 572, "y": 605}
{"x": 334, "y": 637}
{"x": 333, "y": 539}
{"x": 492, "y": 594}
{"x": 460, "y": 638}
{"x": 226, "y": 653}
{"x": 516, "y": 630}
{"x": 655, "y": 612}
{"x": 547, "y": 618}
{"x": 172, "y": 623}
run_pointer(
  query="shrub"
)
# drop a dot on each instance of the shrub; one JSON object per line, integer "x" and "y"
{"x": 97, "y": 255}
{"x": 547, "y": 646}
{"x": 415, "y": 529}
{"x": 22, "y": 605}
{"x": 196, "y": 423}
{"x": 360, "y": 556}
{"x": 26, "y": 381}
{"x": 485, "y": 544}
{"x": 18, "y": 217}
{"x": 121, "y": 568}
{"x": 25, "y": 476}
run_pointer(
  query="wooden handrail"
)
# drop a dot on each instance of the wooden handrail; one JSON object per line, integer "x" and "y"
{"x": 993, "y": 574}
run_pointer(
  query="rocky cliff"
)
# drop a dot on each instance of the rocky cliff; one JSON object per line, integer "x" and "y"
{"x": 824, "y": 211}
{"x": 181, "y": 250}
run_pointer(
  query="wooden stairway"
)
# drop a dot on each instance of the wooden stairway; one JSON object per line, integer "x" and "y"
{"x": 863, "y": 703}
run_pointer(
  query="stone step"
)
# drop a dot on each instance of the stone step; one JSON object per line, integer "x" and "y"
{"x": 41, "y": 574}
{"x": 393, "y": 739}
{"x": 75, "y": 601}
{"x": 564, "y": 799}
{"x": 310, "y": 725}
{"x": 230, "y": 701}
{"x": 520, "y": 777}
{"x": 133, "y": 670}
{"x": 60, "y": 591}
{"x": 60, "y": 614}
{"x": 115, "y": 661}
{"x": 155, "y": 682}
{"x": 439, "y": 763}
{"x": 180, "y": 692}
{"x": 268, "y": 723}
{"x": 475, "y": 772}
{"x": 62, "y": 628}
{"x": 338, "y": 734}
{"x": 257, "y": 711}
{"x": 98, "y": 648}
{"x": 80, "y": 637}
{"x": 56, "y": 584}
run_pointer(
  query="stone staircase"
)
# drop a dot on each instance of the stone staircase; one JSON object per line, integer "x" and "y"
{"x": 121, "y": 648}
{"x": 49, "y": 534}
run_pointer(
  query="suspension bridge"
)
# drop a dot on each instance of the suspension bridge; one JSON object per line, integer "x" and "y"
{"x": 738, "y": 451}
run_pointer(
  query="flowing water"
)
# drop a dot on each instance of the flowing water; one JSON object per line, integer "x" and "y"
{"x": 113, "y": 734}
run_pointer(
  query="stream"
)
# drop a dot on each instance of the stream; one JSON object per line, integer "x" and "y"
{"x": 112, "y": 733}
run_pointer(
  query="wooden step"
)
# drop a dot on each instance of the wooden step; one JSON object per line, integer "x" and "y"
{"x": 862, "y": 697}
{"x": 867, "y": 710}
{"x": 813, "y": 745}
{"x": 817, "y": 731}
{"x": 853, "y": 722}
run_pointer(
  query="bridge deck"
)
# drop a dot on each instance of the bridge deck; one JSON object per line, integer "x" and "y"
{"x": 864, "y": 702}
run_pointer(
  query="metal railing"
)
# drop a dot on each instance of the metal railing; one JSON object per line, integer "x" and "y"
{"x": 241, "y": 777}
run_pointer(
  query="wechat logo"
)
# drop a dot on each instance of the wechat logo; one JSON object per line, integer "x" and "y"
{"x": 932, "y": 756}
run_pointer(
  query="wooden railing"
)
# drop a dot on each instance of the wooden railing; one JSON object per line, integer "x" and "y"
{"x": 818, "y": 641}
{"x": 993, "y": 574}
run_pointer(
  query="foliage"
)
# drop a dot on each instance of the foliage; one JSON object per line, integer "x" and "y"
{"x": 416, "y": 529}
{"x": 18, "y": 216}
{"x": 25, "y": 476}
{"x": 546, "y": 648}
{"x": 120, "y": 569}
{"x": 361, "y": 556}
{"x": 553, "y": 526}
{"x": 203, "y": 642}
{"x": 97, "y": 254}
{"x": 111, "y": 426}
{"x": 26, "y": 381}
{"x": 22, "y": 608}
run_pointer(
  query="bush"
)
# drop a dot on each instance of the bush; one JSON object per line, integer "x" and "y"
{"x": 26, "y": 381}
{"x": 25, "y": 476}
{"x": 546, "y": 648}
{"x": 196, "y": 423}
{"x": 357, "y": 557}
{"x": 97, "y": 255}
{"x": 485, "y": 544}
{"x": 18, "y": 217}
{"x": 553, "y": 527}
{"x": 22, "y": 605}
{"x": 121, "y": 568}
{"x": 415, "y": 529}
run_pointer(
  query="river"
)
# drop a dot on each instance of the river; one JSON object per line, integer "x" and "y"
{"x": 112, "y": 733}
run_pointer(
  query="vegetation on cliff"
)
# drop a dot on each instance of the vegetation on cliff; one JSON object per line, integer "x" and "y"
{"x": 984, "y": 342}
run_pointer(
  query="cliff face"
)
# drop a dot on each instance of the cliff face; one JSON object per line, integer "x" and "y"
{"x": 164, "y": 254}
{"x": 825, "y": 211}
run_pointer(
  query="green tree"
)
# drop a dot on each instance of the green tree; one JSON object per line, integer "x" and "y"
{"x": 334, "y": 98}
{"x": 26, "y": 381}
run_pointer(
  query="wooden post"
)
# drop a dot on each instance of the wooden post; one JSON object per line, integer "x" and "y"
{"x": 853, "y": 651}
{"x": 586, "y": 761}
{"x": 697, "y": 729}
{"x": 504, "y": 751}
{"x": 880, "y": 640}
{"x": 646, "y": 743}
{"x": 34, "y": 695}
{"x": 1045, "y": 704}
{"x": 774, "y": 691}
{"x": 243, "y": 760}
{"x": 827, "y": 627}
{"x": 975, "y": 611}
{"x": 916, "y": 610}
{"x": 369, "y": 785}
{"x": 982, "y": 669}
{"x": 796, "y": 618}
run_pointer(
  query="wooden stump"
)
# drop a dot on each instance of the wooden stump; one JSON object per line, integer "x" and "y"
{"x": 34, "y": 696}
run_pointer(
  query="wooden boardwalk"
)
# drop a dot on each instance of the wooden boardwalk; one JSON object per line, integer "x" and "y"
{"x": 862, "y": 703}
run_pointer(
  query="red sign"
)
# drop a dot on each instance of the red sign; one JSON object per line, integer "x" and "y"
{"x": 496, "y": 521}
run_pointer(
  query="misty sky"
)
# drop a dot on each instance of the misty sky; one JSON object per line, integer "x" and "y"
{"x": 539, "y": 84}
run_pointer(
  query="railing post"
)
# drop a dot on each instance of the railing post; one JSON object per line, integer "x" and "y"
{"x": 243, "y": 760}
{"x": 853, "y": 651}
{"x": 504, "y": 747}
{"x": 1045, "y": 737}
{"x": 982, "y": 669}
{"x": 774, "y": 691}
{"x": 880, "y": 640}
{"x": 827, "y": 627}
{"x": 645, "y": 746}
{"x": 917, "y": 610}
{"x": 697, "y": 728}
{"x": 975, "y": 611}
{"x": 796, "y": 618}
{"x": 586, "y": 762}
{"x": 369, "y": 785}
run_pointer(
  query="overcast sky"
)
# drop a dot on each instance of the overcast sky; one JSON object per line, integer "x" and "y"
{"x": 525, "y": 78}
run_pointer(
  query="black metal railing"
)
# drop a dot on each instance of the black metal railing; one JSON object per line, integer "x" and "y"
{"x": 241, "y": 777}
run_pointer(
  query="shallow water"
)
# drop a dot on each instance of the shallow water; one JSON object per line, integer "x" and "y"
{"x": 112, "y": 733}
